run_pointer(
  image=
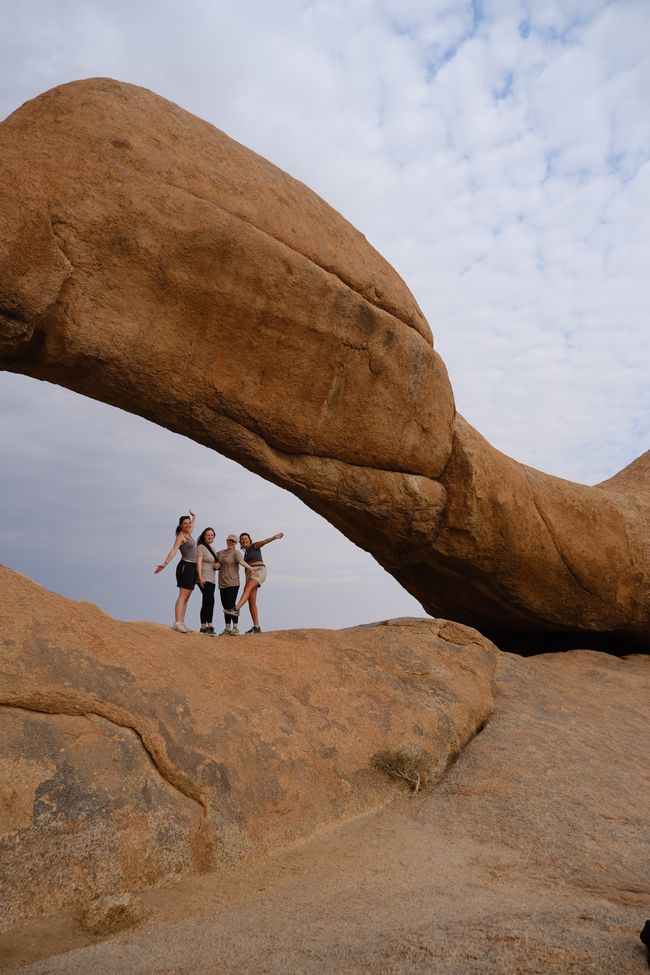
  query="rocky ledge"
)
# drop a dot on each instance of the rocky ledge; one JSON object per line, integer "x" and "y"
{"x": 130, "y": 754}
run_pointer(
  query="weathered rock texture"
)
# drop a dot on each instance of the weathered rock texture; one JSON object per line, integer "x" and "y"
{"x": 130, "y": 753}
{"x": 143, "y": 255}
{"x": 530, "y": 857}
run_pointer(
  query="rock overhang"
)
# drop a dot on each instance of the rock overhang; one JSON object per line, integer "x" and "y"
{"x": 138, "y": 229}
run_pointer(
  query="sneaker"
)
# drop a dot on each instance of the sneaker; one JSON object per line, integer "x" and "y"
{"x": 180, "y": 627}
{"x": 234, "y": 631}
{"x": 231, "y": 612}
{"x": 210, "y": 630}
{"x": 225, "y": 631}
{"x": 255, "y": 629}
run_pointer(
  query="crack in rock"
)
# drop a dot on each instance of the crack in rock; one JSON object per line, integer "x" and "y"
{"x": 60, "y": 702}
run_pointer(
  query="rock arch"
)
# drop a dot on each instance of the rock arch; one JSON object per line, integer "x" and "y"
{"x": 149, "y": 261}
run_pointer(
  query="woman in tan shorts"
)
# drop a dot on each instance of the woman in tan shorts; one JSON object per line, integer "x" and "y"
{"x": 256, "y": 576}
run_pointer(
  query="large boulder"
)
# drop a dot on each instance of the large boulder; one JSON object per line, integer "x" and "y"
{"x": 130, "y": 753}
{"x": 149, "y": 261}
{"x": 529, "y": 856}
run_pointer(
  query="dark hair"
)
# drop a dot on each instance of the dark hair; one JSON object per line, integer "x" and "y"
{"x": 201, "y": 538}
{"x": 180, "y": 522}
{"x": 248, "y": 535}
{"x": 203, "y": 542}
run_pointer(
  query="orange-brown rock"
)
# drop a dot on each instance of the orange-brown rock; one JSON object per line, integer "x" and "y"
{"x": 130, "y": 753}
{"x": 149, "y": 261}
{"x": 530, "y": 855}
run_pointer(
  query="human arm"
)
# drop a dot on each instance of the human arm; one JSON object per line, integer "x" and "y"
{"x": 170, "y": 555}
{"x": 240, "y": 560}
{"x": 193, "y": 522}
{"x": 266, "y": 541}
{"x": 199, "y": 566}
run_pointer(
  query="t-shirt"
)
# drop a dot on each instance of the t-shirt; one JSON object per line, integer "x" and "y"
{"x": 253, "y": 554}
{"x": 230, "y": 560}
{"x": 207, "y": 570}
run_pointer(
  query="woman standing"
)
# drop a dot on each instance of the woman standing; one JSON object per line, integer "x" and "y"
{"x": 229, "y": 561}
{"x": 257, "y": 575}
{"x": 185, "y": 570}
{"x": 206, "y": 563}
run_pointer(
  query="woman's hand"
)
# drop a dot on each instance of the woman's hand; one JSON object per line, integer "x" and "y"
{"x": 159, "y": 568}
{"x": 279, "y": 535}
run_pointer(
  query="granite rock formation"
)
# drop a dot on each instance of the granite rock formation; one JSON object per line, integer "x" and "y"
{"x": 149, "y": 261}
{"x": 130, "y": 754}
{"x": 529, "y": 856}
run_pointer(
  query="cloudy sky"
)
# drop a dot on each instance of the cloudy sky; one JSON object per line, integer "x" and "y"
{"x": 496, "y": 152}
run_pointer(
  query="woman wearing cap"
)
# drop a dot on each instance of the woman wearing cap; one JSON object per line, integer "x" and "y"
{"x": 229, "y": 561}
{"x": 186, "y": 568}
{"x": 256, "y": 576}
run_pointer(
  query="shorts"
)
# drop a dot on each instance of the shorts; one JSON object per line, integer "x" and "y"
{"x": 186, "y": 574}
{"x": 258, "y": 574}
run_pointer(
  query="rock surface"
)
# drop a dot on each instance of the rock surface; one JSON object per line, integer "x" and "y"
{"x": 530, "y": 858}
{"x": 138, "y": 230}
{"x": 130, "y": 753}
{"x": 106, "y": 915}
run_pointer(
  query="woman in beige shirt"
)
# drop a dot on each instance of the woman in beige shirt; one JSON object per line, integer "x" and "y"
{"x": 230, "y": 559}
{"x": 206, "y": 563}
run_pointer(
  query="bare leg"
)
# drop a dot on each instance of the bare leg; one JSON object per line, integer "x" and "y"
{"x": 252, "y": 604}
{"x": 181, "y": 604}
{"x": 248, "y": 588}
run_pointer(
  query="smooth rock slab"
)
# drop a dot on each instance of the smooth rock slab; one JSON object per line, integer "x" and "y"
{"x": 529, "y": 858}
{"x": 130, "y": 753}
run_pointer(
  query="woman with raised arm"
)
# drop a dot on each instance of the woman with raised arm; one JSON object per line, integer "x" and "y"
{"x": 256, "y": 576}
{"x": 206, "y": 562}
{"x": 186, "y": 574}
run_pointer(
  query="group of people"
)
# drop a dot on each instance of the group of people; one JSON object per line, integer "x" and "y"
{"x": 201, "y": 565}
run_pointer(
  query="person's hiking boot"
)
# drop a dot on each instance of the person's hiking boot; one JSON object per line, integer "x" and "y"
{"x": 225, "y": 631}
{"x": 255, "y": 629}
{"x": 180, "y": 627}
{"x": 645, "y": 938}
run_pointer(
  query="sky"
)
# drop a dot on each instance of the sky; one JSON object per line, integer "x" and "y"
{"x": 496, "y": 153}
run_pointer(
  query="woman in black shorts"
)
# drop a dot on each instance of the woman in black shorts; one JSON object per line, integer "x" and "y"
{"x": 186, "y": 575}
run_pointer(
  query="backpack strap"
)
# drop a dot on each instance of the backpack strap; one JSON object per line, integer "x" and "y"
{"x": 211, "y": 550}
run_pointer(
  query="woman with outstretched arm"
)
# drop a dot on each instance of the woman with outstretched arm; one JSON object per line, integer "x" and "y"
{"x": 256, "y": 576}
{"x": 186, "y": 574}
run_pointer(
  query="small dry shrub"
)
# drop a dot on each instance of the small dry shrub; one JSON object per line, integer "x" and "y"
{"x": 414, "y": 767}
{"x": 108, "y": 914}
